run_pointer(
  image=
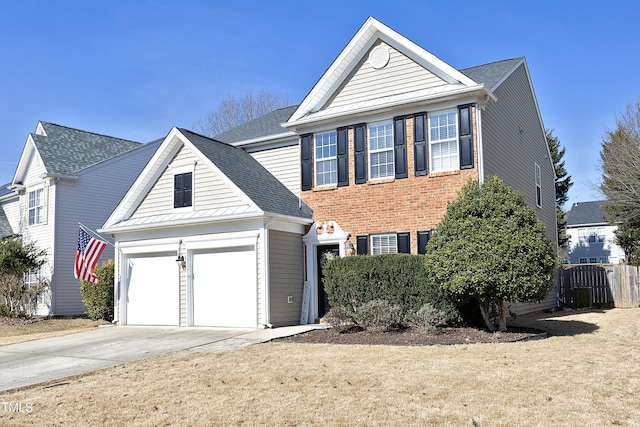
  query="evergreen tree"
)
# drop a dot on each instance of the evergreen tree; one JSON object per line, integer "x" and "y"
{"x": 563, "y": 184}
{"x": 491, "y": 247}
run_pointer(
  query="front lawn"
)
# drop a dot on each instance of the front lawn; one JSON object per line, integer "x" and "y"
{"x": 586, "y": 373}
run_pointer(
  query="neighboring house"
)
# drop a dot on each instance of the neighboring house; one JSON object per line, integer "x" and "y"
{"x": 383, "y": 141}
{"x": 591, "y": 237}
{"x": 65, "y": 177}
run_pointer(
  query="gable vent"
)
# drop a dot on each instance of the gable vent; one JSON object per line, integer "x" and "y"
{"x": 379, "y": 57}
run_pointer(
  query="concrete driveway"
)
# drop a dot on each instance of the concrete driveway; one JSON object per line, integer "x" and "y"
{"x": 47, "y": 359}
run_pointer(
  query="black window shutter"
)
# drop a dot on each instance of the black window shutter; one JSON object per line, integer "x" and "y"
{"x": 187, "y": 186}
{"x": 343, "y": 157}
{"x": 362, "y": 242}
{"x": 423, "y": 239}
{"x": 420, "y": 146}
{"x": 400, "y": 147}
{"x": 404, "y": 243}
{"x": 182, "y": 186}
{"x": 360, "y": 153}
{"x": 466, "y": 136}
{"x": 177, "y": 191}
{"x": 305, "y": 156}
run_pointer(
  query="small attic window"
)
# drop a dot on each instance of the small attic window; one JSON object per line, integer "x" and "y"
{"x": 379, "y": 57}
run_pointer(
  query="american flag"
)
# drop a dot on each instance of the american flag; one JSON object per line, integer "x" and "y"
{"x": 87, "y": 254}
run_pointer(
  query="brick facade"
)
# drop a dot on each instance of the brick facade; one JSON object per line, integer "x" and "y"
{"x": 390, "y": 205}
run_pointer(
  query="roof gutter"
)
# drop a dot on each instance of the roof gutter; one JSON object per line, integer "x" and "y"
{"x": 478, "y": 90}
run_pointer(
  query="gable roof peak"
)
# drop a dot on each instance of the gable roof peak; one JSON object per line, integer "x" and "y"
{"x": 370, "y": 33}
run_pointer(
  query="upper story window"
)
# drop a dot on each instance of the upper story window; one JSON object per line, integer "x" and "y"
{"x": 443, "y": 141}
{"x": 381, "y": 156}
{"x": 538, "y": 186}
{"x": 182, "y": 190}
{"x": 36, "y": 206}
{"x": 326, "y": 163}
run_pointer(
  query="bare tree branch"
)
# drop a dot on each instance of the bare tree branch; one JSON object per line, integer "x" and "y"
{"x": 232, "y": 111}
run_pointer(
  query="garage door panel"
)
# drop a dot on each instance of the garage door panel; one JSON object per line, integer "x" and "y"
{"x": 225, "y": 288}
{"x": 153, "y": 291}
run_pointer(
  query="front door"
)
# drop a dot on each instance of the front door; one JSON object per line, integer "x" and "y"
{"x": 325, "y": 253}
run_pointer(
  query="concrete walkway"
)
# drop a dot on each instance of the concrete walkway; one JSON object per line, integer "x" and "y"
{"x": 47, "y": 359}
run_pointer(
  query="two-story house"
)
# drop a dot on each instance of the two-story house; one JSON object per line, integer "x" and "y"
{"x": 66, "y": 177}
{"x": 591, "y": 237}
{"x": 379, "y": 146}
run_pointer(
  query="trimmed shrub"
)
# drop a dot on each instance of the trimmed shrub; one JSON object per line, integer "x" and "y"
{"x": 399, "y": 279}
{"x": 428, "y": 318}
{"x": 341, "y": 319}
{"x": 98, "y": 297}
{"x": 380, "y": 315}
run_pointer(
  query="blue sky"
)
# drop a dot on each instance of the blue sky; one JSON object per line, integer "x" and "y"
{"x": 133, "y": 69}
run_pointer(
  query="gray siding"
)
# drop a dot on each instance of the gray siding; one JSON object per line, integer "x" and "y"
{"x": 90, "y": 200}
{"x": 513, "y": 141}
{"x": 209, "y": 190}
{"x": 286, "y": 274}
{"x": 283, "y": 163}
{"x": 400, "y": 75}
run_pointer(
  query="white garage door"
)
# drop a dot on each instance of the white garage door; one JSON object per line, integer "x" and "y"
{"x": 152, "y": 295}
{"x": 225, "y": 288}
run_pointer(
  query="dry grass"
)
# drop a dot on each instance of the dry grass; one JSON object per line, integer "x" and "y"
{"x": 586, "y": 374}
{"x": 19, "y": 330}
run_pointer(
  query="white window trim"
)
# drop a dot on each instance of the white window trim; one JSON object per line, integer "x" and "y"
{"x": 324, "y": 159}
{"x": 455, "y": 140}
{"x": 370, "y": 151}
{"x": 42, "y": 206}
{"x": 179, "y": 169}
{"x": 379, "y": 251}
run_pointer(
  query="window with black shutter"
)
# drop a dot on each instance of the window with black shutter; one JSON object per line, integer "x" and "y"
{"x": 420, "y": 146}
{"x": 465, "y": 121}
{"x": 182, "y": 190}
{"x": 423, "y": 239}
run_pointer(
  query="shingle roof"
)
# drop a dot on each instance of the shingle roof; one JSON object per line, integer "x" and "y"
{"x": 585, "y": 213}
{"x": 490, "y": 74}
{"x": 269, "y": 124}
{"x": 266, "y": 125}
{"x": 66, "y": 151}
{"x": 5, "y": 227}
{"x": 251, "y": 177}
{"x": 4, "y": 189}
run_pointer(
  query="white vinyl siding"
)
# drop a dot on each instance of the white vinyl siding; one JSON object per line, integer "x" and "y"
{"x": 283, "y": 163}
{"x": 443, "y": 141}
{"x": 325, "y": 158}
{"x": 400, "y": 75}
{"x": 209, "y": 190}
{"x": 384, "y": 244}
{"x": 381, "y": 156}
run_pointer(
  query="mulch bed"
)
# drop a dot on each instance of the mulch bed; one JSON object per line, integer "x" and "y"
{"x": 443, "y": 336}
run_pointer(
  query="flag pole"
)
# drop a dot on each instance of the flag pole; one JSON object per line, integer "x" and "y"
{"x": 95, "y": 234}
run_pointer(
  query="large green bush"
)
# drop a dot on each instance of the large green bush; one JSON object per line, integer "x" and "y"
{"x": 400, "y": 279}
{"x": 98, "y": 297}
{"x": 490, "y": 246}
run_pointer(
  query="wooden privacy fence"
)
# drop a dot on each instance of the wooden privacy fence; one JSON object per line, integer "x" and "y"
{"x": 586, "y": 285}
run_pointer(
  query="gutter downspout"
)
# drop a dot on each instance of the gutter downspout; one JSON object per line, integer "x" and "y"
{"x": 482, "y": 105}
{"x": 267, "y": 280}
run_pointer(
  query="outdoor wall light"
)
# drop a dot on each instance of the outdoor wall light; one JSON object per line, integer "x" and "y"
{"x": 350, "y": 250}
{"x": 181, "y": 262}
